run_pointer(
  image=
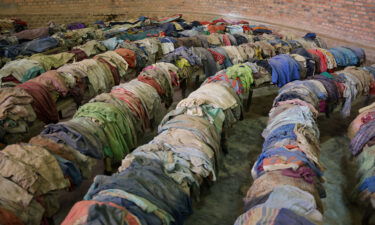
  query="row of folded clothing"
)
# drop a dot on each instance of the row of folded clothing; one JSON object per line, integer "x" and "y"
{"x": 110, "y": 126}
{"x": 36, "y": 98}
{"x": 362, "y": 134}
{"x": 27, "y": 68}
{"x": 11, "y": 48}
{"x": 59, "y": 37}
{"x": 288, "y": 175}
{"x": 72, "y": 79}
{"x": 84, "y": 79}
{"x": 12, "y": 25}
{"x": 157, "y": 181}
{"x": 212, "y": 52}
{"x": 41, "y": 42}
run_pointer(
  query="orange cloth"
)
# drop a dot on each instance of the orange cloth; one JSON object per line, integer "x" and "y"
{"x": 128, "y": 55}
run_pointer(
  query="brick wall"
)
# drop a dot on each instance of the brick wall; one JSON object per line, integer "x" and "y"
{"x": 343, "y": 20}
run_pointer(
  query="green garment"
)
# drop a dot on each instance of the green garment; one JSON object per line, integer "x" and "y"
{"x": 244, "y": 73}
{"x": 33, "y": 72}
{"x": 326, "y": 74}
{"x": 216, "y": 116}
{"x": 96, "y": 129}
{"x": 131, "y": 120}
{"x": 52, "y": 61}
{"x": 115, "y": 126}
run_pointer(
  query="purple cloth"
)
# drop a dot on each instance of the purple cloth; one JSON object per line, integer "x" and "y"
{"x": 302, "y": 172}
{"x": 76, "y": 26}
{"x": 364, "y": 135}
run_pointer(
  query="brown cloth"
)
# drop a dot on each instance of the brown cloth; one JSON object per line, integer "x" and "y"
{"x": 53, "y": 81}
{"x": 10, "y": 98}
{"x": 43, "y": 104}
{"x": 78, "y": 54}
{"x": 128, "y": 55}
{"x": 32, "y": 33}
{"x": 8, "y": 218}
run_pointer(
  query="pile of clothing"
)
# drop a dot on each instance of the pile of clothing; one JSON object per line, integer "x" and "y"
{"x": 287, "y": 186}
{"x": 12, "y": 25}
{"x": 156, "y": 182}
{"x": 81, "y": 80}
{"x": 353, "y": 82}
{"x": 362, "y": 134}
{"x": 288, "y": 175}
{"x": 110, "y": 126}
{"x": 53, "y": 38}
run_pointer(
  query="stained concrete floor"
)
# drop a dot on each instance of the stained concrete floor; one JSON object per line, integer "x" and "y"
{"x": 222, "y": 203}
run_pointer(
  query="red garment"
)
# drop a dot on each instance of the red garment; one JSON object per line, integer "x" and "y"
{"x": 372, "y": 88}
{"x": 78, "y": 90}
{"x": 341, "y": 88}
{"x": 129, "y": 56}
{"x": 114, "y": 70}
{"x": 204, "y": 22}
{"x": 152, "y": 82}
{"x": 78, "y": 54}
{"x": 246, "y": 28}
{"x": 236, "y": 84}
{"x": 175, "y": 79}
{"x": 134, "y": 103}
{"x": 10, "y": 78}
{"x": 43, "y": 104}
{"x": 370, "y": 116}
{"x": 9, "y": 218}
{"x": 80, "y": 213}
{"x": 226, "y": 40}
{"x": 322, "y": 106}
{"x": 217, "y": 56}
{"x": 221, "y": 20}
{"x": 20, "y": 22}
{"x": 323, "y": 59}
{"x": 216, "y": 28}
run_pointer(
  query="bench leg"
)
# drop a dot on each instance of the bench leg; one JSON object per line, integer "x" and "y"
{"x": 249, "y": 100}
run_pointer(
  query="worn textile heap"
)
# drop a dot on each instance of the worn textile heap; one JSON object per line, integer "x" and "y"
{"x": 287, "y": 187}
{"x": 156, "y": 181}
{"x": 108, "y": 127}
{"x": 362, "y": 134}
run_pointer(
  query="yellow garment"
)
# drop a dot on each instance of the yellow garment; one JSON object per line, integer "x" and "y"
{"x": 181, "y": 63}
{"x": 52, "y": 61}
{"x": 177, "y": 26}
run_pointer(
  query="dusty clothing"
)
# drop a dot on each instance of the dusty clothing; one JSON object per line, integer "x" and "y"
{"x": 53, "y": 81}
{"x": 43, "y": 104}
{"x": 49, "y": 62}
{"x": 114, "y": 59}
{"x": 91, "y": 48}
{"x": 21, "y": 69}
{"x": 33, "y": 168}
{"x": 32, "y": 34}
{"x": 15, "y": 104}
